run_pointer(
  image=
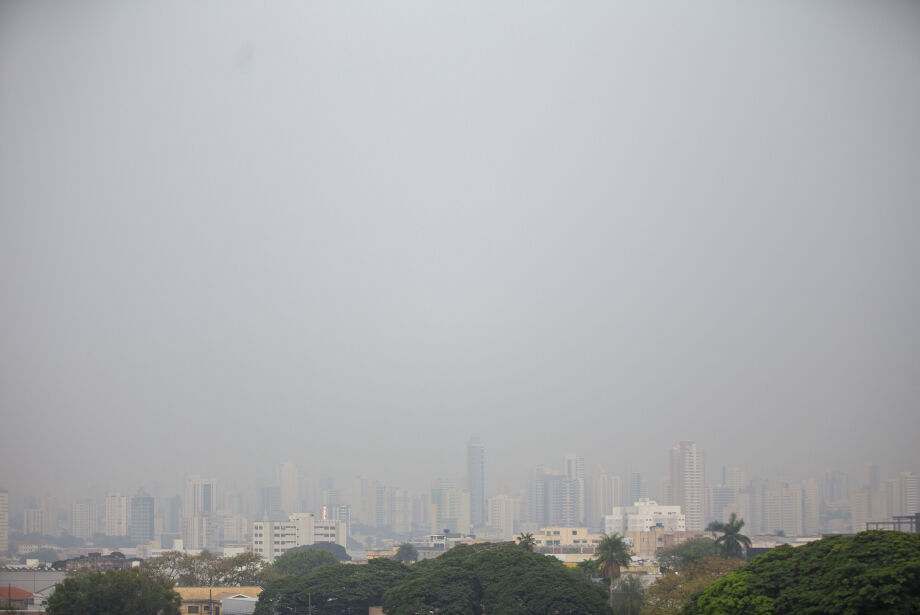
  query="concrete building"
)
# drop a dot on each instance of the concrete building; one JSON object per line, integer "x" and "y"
{"x": 198, "y": 509}
{"x": 476, "y": 478}
{"x": 142, "y": 519}
{"x": 602, "y": 493}
{"x": 638, "y": 489}
{"x": 686, "y": 482}
{"x": 32, "y": 521}
{"x": 783, "y": 509}
{"x": 449, "y": 508}
{"x": 217, "y": 600}
{"x": 290, "y": 488}
{"x": 647, "y": 545}
{"x": 554, "y": 499}
{"x": 575, "y": 471}
{"x": 505, "y": 515}
{"x": 272, "y": 538}
{"x": 4, "y": 521}
{"x": 559, "y": 539}
{"x": 644, "y": 515}
{"x": 116, "y": 515}
{"x": 83, "y": 519}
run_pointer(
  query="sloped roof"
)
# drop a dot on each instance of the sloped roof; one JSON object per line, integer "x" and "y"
{"x": 14, "y": 593}
{"x": 198, "y": 594}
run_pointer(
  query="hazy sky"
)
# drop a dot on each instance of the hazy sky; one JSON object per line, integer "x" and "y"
{"x": 356, "y": 233}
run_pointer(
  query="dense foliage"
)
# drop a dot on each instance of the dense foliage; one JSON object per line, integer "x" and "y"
{"x": 669, "y": 594}
{"x": 872, "y": 572}
{"x": 208, "y": 569}
{"x": 300, "y": 562}
{"x": 406, "y": 553}
{"x": 114, "y": 593}
{"x": 674, "y": 557}
{"x": 494, "y": 578}
{"x": 336, "y": 589}
{"x": 337, "y": 550}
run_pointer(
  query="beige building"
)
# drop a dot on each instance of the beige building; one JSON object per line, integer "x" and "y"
{"x": 566, "y": 538}
{"x": 272, "y": 538}
{"x": 201, "y": 600}
{"x": 646, "y": 545}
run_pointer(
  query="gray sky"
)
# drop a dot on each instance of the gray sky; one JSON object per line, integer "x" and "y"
{"x": 355, "y": 233}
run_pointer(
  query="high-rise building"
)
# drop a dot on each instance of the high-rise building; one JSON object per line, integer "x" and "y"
{"x": 602, "y": 493}
{"x": 198, "y": 510}
{"x": 83, "y": 519}
{"x": 270, "y": 503}
{"x": 575, "y": 471}
{"x": 908, "y": 494}
{"x": 733, "y": 477}
{"x": 784, "y": 509}
{"x": 290, "y": 484}
{"x": 4, "y": 521}
{"x": 273, "y": 538}
{"x": 476, "y": 475}
{"x": 644, "y": 515}
{"x": 505, "y": 514}
{"x": 142, "y": 516}
{"x": 50, "y": 516}
{"x": 554, "y": 499}
{"x": 32, "y": 521}
{"x": 687, "y": 483}
{"x": 116, "y": 515}
{"x": 450, "y": 508}
{"x": 638, "y": 489}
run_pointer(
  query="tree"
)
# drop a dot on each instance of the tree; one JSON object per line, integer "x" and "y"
{"x": 732, "y": 539}
{"x": 494, "y": 578}
{"x": 114, "y": 593}
{"x": 612, "y": 554}
{"x": 208, "y": 569}
{"x": 873, "y": 572}
{"x": 526, "y": 541}
{"x": 300, "y": 562}
{"x": 689, "y": 551}
{"x": 670, "y": 593}
{"x": 335, "y": 549}
{"x": 406, "y": 553}
{"x": 335, "y": 589}
{"x": 630, "y": 594}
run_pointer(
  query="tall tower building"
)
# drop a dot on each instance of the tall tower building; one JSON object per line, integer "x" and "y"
{"x": 575, "y": 471}
{"x": 908, "y": 494}
{"x": 4, "y": 521}
{"x": 83, "y": 519}
{"x": 142, "y": 515}
{"x": 198, "y": 508}
{"x": 290, "y": 485}
{"x": 686, "y": 483}
{"x": 638, "y": 489}
{"x": 116, "y": 515}
{"x": 476, "y": 475}
{"x": 602, "y": 493}
{"x": 32, "y": 521}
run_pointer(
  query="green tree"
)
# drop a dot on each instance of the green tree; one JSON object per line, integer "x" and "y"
{"x": 114, "y": 593}
{"x": 612, "y": 554}
{"x": 335, "y": 589}
{"x": 337, "y": 550}
{"x": 872, "y": 572}
{"x": 732, "y": 539}
{"x": 406, "y": 553}
{"x": 670, "y": 593}
{"x": 526, "y": 541}
{"x": 208, "y": 569}
{"x": 300, "y": 562}
{"x": 691, "y": 550}
{"x": 629, "y": 593}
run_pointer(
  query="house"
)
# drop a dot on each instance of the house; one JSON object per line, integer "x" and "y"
{"x": 15, "y": 598}
{"x": 208, "y": 600}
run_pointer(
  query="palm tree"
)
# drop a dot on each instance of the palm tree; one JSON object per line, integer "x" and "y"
{"x": 612, "y": 554}
{"x": 732, "y": 539}
{"x": 527, "y": 541}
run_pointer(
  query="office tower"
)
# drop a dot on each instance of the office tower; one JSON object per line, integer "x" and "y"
{"x": 50, "y": 516}
{"x": 908, "y": 501}
{"x": 450, "y": 508}
{"x": 4, "y": 521}
{"x": 116, "y": 515}
{"x": 555, "y": 500}
{"x": 476, "y": 474}
{"x": 290, "y": 484}
{"x": 602, "y": 493}
{"x": 83, "y": 519}
{"x": 505, "y": 514}
{"x": 575, "y": 471}
{"x": 32, "y": 521}
{"x": 200, "y": 497}
{"x": 638, "y": 489}
{"x": 686, "y": 483}
{"x": 142, "y": 515}
{"x": 173, "y": 521}
{"x": 270, "y": 503}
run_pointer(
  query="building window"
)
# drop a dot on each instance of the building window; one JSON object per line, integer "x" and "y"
{"x": 192, "y": 609}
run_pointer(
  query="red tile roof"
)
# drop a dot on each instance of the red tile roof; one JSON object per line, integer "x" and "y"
{"x": 13, "y": 593}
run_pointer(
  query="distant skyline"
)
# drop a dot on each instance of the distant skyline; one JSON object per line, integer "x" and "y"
{"x": 352, "y": 235}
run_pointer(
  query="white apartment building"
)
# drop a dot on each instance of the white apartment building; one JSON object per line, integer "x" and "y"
{"x": 273, "y": 538}
{"x": 644, "y": 515}
{"x": 116, "y": 515}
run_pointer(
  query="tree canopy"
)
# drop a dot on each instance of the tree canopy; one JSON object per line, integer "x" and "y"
{"x": 689, "y": 551}
{"x": 337, "y": 550}
{"x": 493, "y": 578}
{"x": 207, "y": 568}
{"x": 406, "y": 553}
{"x": 336, "y": 589}
{"x": 300, "y": 562}
{"x": 734, "y": 542}
{"x": 873, "y": 572}
{"x": 114, "y": 593}
{"x": 670, "y": 593}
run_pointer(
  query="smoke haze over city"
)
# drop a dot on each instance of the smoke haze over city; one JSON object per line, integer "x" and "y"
{"x": 354, "y": 235}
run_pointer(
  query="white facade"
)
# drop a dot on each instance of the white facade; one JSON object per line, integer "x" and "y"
{"x": 644, "y": 515}
{"x": 505, "y": 514}
{"x": 272, "y": 538}
{"x": 686, "y": 483}
{"x": 116, "y": 515}
{"x": 4, "y": 521}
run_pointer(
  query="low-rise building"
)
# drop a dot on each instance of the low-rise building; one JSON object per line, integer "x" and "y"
{"x": 208, "y": 600}
{"x": 97, "y": 562}
{"x": 273, "y": 538}
{"x": 644, "y": 515}
{"x": 566, "y": 539}
{"x": 15, "y": 598}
